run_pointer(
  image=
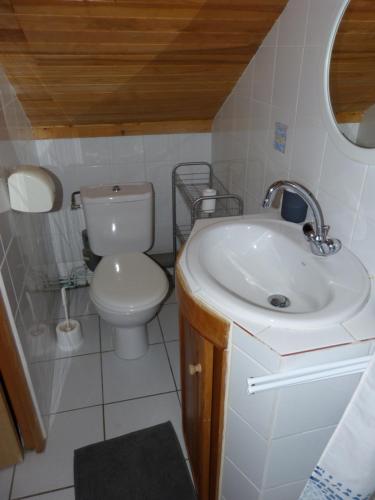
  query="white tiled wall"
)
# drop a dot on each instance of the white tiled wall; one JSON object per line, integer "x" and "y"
{"x": 293, "y": 458}
{"x": 320, "y": 404}
{"x": 246, "y": 448}
{"x": 283, "y": 83}
{"x": 110, "y": 160}
{"x": 236, "y": 485}
{"x": 273, "y": 439}
{"x": 285, "y": 492}
{"x": 26, "y": 255}
{"x": 287, "y": 430}
{"x": 258, "y": 411}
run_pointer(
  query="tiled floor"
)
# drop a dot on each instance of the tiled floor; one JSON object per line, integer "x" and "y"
{"x": 96, "y": 396}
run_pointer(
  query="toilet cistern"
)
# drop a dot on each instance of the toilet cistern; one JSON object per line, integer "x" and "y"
{"x": 316, "y": 233}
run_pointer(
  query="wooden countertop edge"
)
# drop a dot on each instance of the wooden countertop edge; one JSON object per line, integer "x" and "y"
{"x": 214, "y": 327}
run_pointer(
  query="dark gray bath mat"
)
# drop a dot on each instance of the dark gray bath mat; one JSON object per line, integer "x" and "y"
{"x": 144, "y": 465}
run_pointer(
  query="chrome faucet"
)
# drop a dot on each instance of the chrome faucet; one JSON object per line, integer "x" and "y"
{"x": 315, "y": 233}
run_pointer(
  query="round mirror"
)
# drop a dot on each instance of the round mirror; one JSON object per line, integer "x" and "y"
{"x": 352, "y": 74}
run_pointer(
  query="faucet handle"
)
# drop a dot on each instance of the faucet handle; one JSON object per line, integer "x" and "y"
{"x": 325, "y": 230}
{"x": 308, "y": 231}
{"x": 322, "y": 246}
{"x": 310, "y": 234}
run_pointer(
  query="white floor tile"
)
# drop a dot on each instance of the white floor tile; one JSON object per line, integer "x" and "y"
{"x": 107, "y": 332}
{"x": 173, "y": 349}
{"x": 172, "y": 299}
{"x": 126, "y": 379}
{"x": 5, "y": 482}
{"x": 129, "y": 416}
{"x": 90, "y": 344}
{"x": 79, "y": 303}
{"x": 41, "y": 345}
{"x": 76, "y": 383}
{"x": 154, "y": 332}
{"x": 168, "y": 318}
{"x": 106, "y": 336}
{"x": 66, "y": 494}
{"x": 53, "y": 468}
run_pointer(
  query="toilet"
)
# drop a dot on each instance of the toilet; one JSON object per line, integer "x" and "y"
{"x": 128, "y": 286}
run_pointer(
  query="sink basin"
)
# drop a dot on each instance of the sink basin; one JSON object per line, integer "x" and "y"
{"x": 263, "y": 269}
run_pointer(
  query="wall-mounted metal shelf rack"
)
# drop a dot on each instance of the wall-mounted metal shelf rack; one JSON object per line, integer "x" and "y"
{"x": 190, "y": 179}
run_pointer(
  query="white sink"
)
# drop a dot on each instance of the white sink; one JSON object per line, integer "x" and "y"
{"x": 239, "y": 264}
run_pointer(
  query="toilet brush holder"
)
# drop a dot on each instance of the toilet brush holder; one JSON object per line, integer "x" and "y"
{"x": 69, "y": 335}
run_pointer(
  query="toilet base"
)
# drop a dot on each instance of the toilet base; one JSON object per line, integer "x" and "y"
{"x": 131, "y": 343}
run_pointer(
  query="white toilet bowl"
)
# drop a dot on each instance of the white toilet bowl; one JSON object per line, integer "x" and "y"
{"x": 127, "y": 291}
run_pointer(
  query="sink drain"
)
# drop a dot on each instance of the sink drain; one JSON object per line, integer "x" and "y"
{"x": 279, "y": 301}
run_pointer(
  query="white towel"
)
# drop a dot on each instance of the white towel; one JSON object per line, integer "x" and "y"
{"x": 346, "y": 469}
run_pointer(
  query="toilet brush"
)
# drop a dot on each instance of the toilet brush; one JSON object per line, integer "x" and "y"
{"x": 68, "y": 332}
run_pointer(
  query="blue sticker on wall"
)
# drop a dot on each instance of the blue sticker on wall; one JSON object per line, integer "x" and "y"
{"x": 280, "y": 137}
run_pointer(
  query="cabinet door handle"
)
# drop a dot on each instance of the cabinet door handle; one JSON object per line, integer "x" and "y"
{"x": 193, "y": 369}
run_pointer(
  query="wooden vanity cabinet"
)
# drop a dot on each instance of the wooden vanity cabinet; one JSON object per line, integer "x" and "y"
{"x": 203, "y": 356}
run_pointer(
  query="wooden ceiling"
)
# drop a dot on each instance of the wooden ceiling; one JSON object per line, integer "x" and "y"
{"x": 352, "y": 72}
{"x": 113, "y": 67}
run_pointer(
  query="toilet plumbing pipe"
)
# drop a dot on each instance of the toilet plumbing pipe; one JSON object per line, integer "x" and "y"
{"x": 304, "y": 375}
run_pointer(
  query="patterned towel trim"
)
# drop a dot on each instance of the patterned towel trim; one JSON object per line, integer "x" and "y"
{"x": 323, "y": 486}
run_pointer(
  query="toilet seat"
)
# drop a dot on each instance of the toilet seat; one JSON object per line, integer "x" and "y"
{"x": 127, "y": 283}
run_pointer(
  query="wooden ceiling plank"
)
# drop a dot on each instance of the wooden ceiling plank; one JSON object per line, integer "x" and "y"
{"x": 102, "y": 93}
{"x": 111, "y": 129}
{"x": 145, "y": 38}
{"x": 114, "y": 24}
{"x": 148, "y": 10}
{"x": 161, "y": 49}
{"x": 155, "y": 69}
{"x": 88, "y": 63}
{"x": 8, "y": 21}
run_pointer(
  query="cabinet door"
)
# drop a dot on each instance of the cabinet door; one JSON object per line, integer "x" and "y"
{"x": 196, "y": 376}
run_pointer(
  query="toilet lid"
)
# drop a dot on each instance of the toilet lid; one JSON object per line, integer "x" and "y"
{"x": 128, "y": 282}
